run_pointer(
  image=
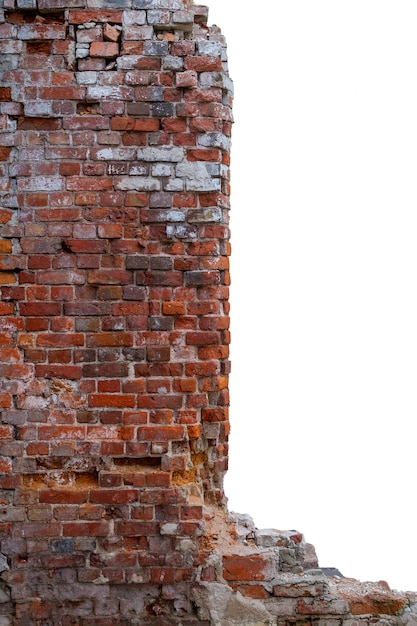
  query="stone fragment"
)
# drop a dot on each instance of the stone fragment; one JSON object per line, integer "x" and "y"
{"x": 111, "y": 33}
{"x": 219, "y": 604}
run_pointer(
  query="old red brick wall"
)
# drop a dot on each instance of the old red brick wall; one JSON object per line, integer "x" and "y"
{"x": 115, "y": 124}
{"x": 115, "y": 134}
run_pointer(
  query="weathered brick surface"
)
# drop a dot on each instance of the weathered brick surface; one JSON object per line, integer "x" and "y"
{"x": 115, "y": 124}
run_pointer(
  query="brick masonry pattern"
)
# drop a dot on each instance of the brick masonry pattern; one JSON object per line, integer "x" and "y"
{"x": 115, "y": 126}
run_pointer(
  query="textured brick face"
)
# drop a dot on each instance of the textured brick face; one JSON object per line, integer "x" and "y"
{"x": 115, "y": 123}
{"x": 113, "y": 275}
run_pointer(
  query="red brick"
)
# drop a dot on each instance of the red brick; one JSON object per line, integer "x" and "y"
{"x": 46, "y": 433}
{"x": 158, "y": 353}
{"x": 107, "y": 386}
{"x": 214, "y": 415}
{"x": 10, "y": 355}
{"x": 5, "y": 215}
{"x": 161, "y": 433}
{"x": 38, "y": 529}
{"x": 69, "y": 169}
{"x": 106, "y": 49}
{"x": 173, "y": 308}
{"x": 8, "y": 278}
{"x": 35, "y": 449}
{"x": 111, "y": 400}
{"x": 61, "y": 277}
{"x": 5, "y": 466}
{"x": 112, "y": 448}
{"x": 110, "y": 231}
{"x": 147, "y": 125}
{"x": 137, "y": 529}
{"x": 204, "y": 155}
{"x": 253, "y": 591}
{"x": 5, "y": 94}
{"x": 89, "y": 183}
{"x": 174, "y": 125}
{"x": 205, "y": 125}
{"x": 111, "y": 33}
{"x": 194, "y": 431}
{"x": 202, "y": 338}
{"x": 4, "y": 153}
{"x": 63, "y": 496}
{"x": 100, "y": 16}
{"x": 110, "y": 339}
{"x": 163, "y": 575}
{"x": 39, "y": 308}
{"x": 73, "y": 372}
{"x": 110, "y": 277}
{"x": 159, "y": 401}
{"x": 62, "y": 93}
{"x": 188, "y": 78}
{"x": 250, "y": 567}
{"x": 186, "y": 385}
{"x": 207, "y": 368}
{"x": 6, "y": 432}
{"x": 131, "y": 308}
{"x": 57, "y": 339}
{"x": 85, "y": 529}
{"x": 113, "y": 496}
{"x": 160, "y": 496}
{"x": 203, "y": 64}
{"x": 89, "y": 246}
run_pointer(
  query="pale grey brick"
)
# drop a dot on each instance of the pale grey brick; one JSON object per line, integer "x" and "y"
{"x": 137, "y": 183}
{"x": 173, "y": 155}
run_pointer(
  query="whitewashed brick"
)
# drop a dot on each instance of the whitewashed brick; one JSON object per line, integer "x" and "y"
{"x": 161, "y": 169}
{"x": 137, "y": 183}
{"x": 40, "y": 183}
{"x": 128, "y": 62}
{"x": 86, "y": 78}
{"x": 115, "y": 154}
{"x": 134, "y": 18}
{"x": 183, "y": 17}
{"x": 197, "y": 177}
{"x": 10, "y": 46}
{"x": 82, "y": 50}
{"x": 211, "y": 79}
{"x": 173, "y": 155}
{"x": 112, "y": 92}
{"x": 174, "y": 184}
{"x": 172, "y": 63}
{"x": 162, "y": 18}
{"x": 158, "y": 4}
{"x": 138, "y": 33}
{"x": 210, "y": 214}
{"x": 37, "y": 107}
{"x": 214, "y": 140}
{"x": 182, "y": 231}
{"x": 209, "y": 48}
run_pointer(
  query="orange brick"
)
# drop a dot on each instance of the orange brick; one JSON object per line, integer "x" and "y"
{"x": 8, "y": 278}
{"x": 106, "y": 49}
{"x": 251, "y": 567}
{"x": 173, "y": 308}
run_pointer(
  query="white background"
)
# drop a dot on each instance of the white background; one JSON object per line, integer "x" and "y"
{"x": 324, "y": 268}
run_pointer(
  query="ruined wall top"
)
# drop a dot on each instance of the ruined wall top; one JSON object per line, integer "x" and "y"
{"x": 53, "y": 5}
{"x": 180, "y": 15}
